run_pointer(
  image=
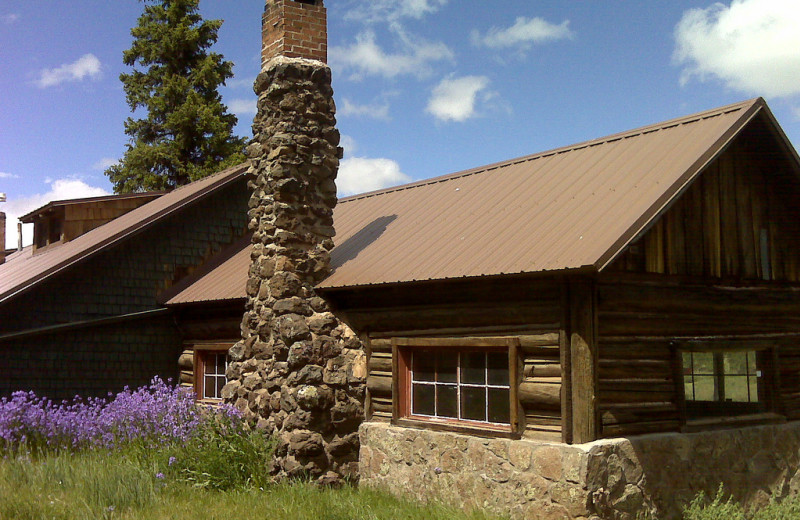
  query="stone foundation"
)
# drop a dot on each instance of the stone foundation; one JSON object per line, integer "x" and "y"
{"x": 607, "y": 479}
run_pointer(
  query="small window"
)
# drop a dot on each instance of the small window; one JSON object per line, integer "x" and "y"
{"x": 210, "y": 368}
{"x": 458, "y": 381}
{"x": 728, "y": 382}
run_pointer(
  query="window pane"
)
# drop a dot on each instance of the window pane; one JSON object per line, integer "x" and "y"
{"x": 209, "y": 387}
{"x": 448, "y": 366}
{"x": 752, "y": 365}
{"x": 447, "y": 401}
{"x": 473, "y": 403}
{"x": 735, "y": 363}
{"x": 753, "y": 383}
{"x": 473, "y": 368}
{"x": 705, "y": 388}
{"x": 687, "y": 362}
{"x": 221, "y": 363}
{"x": 424, "y": 399}
{"x": 703, "y": 363}
{"x": 220, "y": 384}
{"x": 688, "y": 388}
{"x": 497, "y": 368}
{"x": 424, "y": 366}
{"x": 736, "y": 388}
{"x": 499, "y": 405}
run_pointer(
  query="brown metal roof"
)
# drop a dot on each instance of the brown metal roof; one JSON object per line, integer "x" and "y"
{"x": 567, "y": 208}
{"x": 222, "y": 278}
{"x": 20, "y": 275}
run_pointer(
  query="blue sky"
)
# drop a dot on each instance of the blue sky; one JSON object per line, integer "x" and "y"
{"x": 423, "y": 87}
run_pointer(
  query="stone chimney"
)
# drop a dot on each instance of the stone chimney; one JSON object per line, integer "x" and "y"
{"x": 298, "y": 372}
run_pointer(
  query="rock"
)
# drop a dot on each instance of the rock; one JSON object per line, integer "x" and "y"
{"x": 292, "y": 327}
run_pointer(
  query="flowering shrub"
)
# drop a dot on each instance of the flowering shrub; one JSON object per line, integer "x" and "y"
{"x": 156, "y": 414}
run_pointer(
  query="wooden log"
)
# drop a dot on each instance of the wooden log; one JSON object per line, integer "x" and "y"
{"x": 549, "y": 339}
{"x": 380, "y": 362}
{"x": 541, "y": 370}
{"x": 540, "y": 395}
{"x": 379, "y": 385}
{"x": 538, "y": 420}
{"x": 583, "y": 360}
{"x": 639, "y": 428}
{"x": 187, "y": 377}
{"x": 186, "y": 360}
{"x": 611, "y": 396}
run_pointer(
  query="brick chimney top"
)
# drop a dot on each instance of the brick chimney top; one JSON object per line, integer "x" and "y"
{"x": 295, "y": 29}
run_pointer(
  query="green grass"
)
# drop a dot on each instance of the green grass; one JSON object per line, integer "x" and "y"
{"x": 92, "y": 485}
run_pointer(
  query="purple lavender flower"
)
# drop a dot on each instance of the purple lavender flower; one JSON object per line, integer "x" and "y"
{"x": 171, "y": 461}
{"x": 155, "y": 414}
{"x": 160, "y": 476}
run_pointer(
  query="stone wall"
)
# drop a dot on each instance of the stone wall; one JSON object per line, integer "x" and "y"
{"x": 607, "y": 479}
{"x": 298, "y": 372}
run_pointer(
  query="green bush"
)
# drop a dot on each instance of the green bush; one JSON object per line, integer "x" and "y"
{"x": 223, "y": 453}
{"x": 718, "y": 508}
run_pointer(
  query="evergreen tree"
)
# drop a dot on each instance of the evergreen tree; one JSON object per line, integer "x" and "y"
{"x": 187, "y": 133}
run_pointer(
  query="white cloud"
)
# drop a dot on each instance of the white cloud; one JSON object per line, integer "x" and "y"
{"x": 86, "y": 66}
{"x": 751, "y": 45}
{"x": 360, "y": 175}
{"x": 5, "y": 175}
{"x": 375, "y": 111}
{"x": 60, "y": 189}
{"x": 391, "y": 10}
{"x": 454, "y": 99}
{"x": 104, "y": 163}
{"x": 366, "y": 57}
{"x": 348, "y": 144}
{"x": 242, "y": 106}
{"x": 524, "y": 33}
{"x": 9, "y": 18}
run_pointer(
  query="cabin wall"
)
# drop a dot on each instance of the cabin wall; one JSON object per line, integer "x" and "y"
{"x": 641, "y": 316}
{"x": 736, "y": 221}
{"x": 529, "y": 309}
{"x": 123, "y": 280}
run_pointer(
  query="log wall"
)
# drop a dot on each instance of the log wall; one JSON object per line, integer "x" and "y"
{"x": 735, "y": 221}
{"x": 530, "y": 309}
{"x": 639, "y": 316}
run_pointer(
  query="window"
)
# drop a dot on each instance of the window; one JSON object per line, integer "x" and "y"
{"x": 211, "y": 363}
{"x": 728, "y": 382}
{"x": 457, "y": 381}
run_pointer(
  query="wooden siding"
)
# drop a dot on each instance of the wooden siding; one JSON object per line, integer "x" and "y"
{"x": 735, "y": 221}
{"x": 530, "y": 309}
{"x": 641, "y": 315}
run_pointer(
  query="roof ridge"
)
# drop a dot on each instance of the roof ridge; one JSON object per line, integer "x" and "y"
{"x": 564, "y": 149}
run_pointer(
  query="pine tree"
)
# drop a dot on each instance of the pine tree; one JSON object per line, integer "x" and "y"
{"x": 187, "y": 133}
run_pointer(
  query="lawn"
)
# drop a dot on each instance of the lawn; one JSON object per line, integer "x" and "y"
{"x": 96, "y": 485}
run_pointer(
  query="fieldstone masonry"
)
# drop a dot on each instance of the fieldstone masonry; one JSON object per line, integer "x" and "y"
{"x": 613, "y": 479}
{"x": 298, "y": 372}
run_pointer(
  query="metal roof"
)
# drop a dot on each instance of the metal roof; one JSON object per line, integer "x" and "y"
{"x": 29, "y": 269}
{"x": 222, "y": 278}
{"x": 569, "y": 208}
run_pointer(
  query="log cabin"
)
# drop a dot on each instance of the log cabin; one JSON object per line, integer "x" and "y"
{"x": 642, "y": 282}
